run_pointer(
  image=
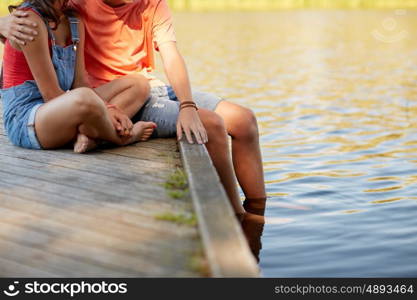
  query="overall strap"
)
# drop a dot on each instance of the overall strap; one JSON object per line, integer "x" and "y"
{"x": 75, "y": 36}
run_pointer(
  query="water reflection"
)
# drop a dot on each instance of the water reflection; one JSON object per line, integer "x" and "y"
{"x": 337, "y": 113}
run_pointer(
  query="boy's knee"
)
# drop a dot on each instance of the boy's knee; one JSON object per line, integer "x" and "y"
{"x": 247, "y": 127}
{"x": 87, "y": 103}
{"x": 246, "y": 116}
{"x": 140, "y": 87}
{"x": 214, "y": 125}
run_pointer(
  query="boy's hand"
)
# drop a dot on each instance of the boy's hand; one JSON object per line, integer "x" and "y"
{"x": 189, "y": 122}
{"x": 121, "y": 121}
{"x": 15, "y": 27}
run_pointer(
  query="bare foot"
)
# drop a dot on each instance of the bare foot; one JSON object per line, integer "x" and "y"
{"x": 148, "y": 129}
{"x": 141, "y": 132}
{"x": 84, "y": 144}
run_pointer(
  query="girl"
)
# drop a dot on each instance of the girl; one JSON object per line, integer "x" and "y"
{"x": 40, "y": 111}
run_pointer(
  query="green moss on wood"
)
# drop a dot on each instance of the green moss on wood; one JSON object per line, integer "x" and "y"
{"x": 176, "y": 184}
{"x": 186, "y": 219}
{"x": 177, "y": 194}
{"x": 198, "y": 263}
{"x": 177, "y": 180}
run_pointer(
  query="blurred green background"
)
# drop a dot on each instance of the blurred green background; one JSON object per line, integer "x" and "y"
{"x": 251, "y": 5}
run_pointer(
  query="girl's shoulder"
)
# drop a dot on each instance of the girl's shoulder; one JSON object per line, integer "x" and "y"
{"x": 41, "y": 28}
{"x": 32, "y": 13}
{"x": 35, "y": 16}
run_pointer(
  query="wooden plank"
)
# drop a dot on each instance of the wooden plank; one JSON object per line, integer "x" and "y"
{"x": 20, "y": 270}
{"x": 152, "y": 151}
{"x": 56, "y": 220}
{"x": 226, "y": 248}
{"x": 73, "y": 254}
{"x": 152, "y": 198}
{"x": 17, "y": 248}
{"x": 75, "y": 178}
{"x": 65, "y": 214}
{"x": 82, "y": 202}
{"x": 98, "y": 162}
{"x": 96, "y": 240}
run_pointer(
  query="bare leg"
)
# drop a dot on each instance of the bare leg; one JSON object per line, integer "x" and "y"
{"x": 242, "y": 126}
{"x": 128, "y": 93}
{"x": 79, "y": 111}
{"x": 84, "y": 144}
{"x": 218, "y": 149}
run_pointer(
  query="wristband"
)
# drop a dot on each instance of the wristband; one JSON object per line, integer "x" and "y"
{"x": 187, "y": 102}
{"x": 111, "y": 106}
{"x": 189, "y": 105}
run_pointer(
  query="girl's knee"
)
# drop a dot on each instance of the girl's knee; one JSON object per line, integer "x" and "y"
{"x": 87, "y": 103}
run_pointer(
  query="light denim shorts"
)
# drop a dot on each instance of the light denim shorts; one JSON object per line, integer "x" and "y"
{"x": 33, "y": 139}
{"x": 22, "y": 133}
{"x": 20, "y": 104}
{"x": 162, "y": 108}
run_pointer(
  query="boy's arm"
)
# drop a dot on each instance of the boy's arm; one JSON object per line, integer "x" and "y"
{"x": 17, "y": 27}
{"x": 164, "y": 38}
{"x": 39, "y": 60}
{"x": 176, "y": 72}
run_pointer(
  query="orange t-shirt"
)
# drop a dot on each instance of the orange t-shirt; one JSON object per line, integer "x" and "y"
{"x": 120, "y": 40}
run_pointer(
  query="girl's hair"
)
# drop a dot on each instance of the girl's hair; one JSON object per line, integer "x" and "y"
{"x": 46, "y": 7}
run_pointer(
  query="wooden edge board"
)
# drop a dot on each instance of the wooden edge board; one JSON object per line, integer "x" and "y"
{"x": 224, "y": 243}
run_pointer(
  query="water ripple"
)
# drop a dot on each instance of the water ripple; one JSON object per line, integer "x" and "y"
{"x": 337, "y": 112}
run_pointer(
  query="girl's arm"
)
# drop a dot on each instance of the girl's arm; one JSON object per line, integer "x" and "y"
{"x": 81, "y": 79}
{"x": 39, "y": 59}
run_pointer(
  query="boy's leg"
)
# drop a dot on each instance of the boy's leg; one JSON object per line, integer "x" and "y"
{"x": 164, "y": 113}
{"x": 128, "y": 93}
{"x": 218, "y": 148}
{"x": 241, "y": 125}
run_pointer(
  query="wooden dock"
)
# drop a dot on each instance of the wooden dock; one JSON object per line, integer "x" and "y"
{"x": 112, "y": 213}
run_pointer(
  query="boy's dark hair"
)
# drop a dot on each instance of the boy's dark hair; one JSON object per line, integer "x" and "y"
{"x": 46, "y": 7}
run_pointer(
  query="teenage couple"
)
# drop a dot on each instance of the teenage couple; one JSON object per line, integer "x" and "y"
{"x": 79, "y": 71}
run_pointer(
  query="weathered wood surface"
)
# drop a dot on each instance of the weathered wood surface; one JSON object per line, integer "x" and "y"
{"x": 93, "y": 215}
{"x": 224, "y": 243}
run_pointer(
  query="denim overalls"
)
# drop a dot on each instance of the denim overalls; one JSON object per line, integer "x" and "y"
{"x": 21, "y": 102}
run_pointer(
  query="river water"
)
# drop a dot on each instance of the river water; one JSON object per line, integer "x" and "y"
{"x": 335, "y": 93}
